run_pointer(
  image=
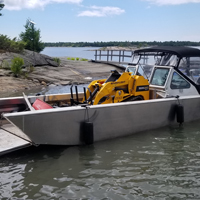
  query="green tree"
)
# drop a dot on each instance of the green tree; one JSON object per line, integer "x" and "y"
{"x": 31, "y": 37}
{"x": 1, "y": 6}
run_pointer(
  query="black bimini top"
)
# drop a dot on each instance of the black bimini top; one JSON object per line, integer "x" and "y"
{"x": 177, "y": 50}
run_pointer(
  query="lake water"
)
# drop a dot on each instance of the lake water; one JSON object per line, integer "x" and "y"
{"x": 80, "y": 52}
{"x": 158, "y": 164}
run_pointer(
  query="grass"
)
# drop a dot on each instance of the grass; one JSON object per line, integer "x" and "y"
{"x": 84, "y": 59}
{"x": 77, "y": 59}
{"x": 57, "y": 60}
{"x": 5, "y": 65}
{"x": 31, "y": 68}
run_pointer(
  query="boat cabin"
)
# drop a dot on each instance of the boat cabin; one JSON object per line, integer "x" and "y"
{"x": 171, "y": 71}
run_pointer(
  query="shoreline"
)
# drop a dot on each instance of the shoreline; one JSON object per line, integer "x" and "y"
{"x": 69, "y": 72}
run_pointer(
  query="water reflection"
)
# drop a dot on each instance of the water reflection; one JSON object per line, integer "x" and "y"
{"x": 158, "y": 164}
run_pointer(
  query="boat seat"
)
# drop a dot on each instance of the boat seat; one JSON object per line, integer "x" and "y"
{"x": 114, "y": 76}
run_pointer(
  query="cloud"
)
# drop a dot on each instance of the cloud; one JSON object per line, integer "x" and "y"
{"x": 95, "y": 11}
{"x": 31, "y": 4}
{"x": 172, "y": 2}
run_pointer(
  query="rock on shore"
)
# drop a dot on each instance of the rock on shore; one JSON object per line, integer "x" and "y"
{"x": 30, "y": 58}
{"x": 47, "y": 72}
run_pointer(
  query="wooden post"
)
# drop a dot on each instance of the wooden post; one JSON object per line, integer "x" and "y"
{"x": 107, "y": 55}
{"x": 119, "y": 56}
{"x": 132, "y": 53}
{"x": 100, "y": 55}
{"x": 95, "y": 55}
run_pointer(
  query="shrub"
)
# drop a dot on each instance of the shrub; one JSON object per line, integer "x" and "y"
{"x": 6, "y": 44}
{"x": 72, "y": 58}
{"x": 16, "y": 66}
{"x": 77, "y": 59}
{"x": 31, "y": 68}
{"x": 68, "y": 58}
{"x": 57, "y": 60}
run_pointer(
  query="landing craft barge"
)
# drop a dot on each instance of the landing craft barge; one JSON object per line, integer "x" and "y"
{"x": 160, "y": 84}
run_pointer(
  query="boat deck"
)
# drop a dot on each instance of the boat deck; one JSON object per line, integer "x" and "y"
{"x": 10, "y": 142}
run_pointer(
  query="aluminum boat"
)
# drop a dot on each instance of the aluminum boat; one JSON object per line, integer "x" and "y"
{"x": 173, "y": 74}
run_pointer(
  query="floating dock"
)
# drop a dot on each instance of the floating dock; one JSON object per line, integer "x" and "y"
{"x": 9, "y": 142}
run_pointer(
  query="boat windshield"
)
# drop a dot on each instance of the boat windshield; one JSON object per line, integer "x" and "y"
{"x": 135, "y": 59}
{"x": 156, "y": 58}
{"x": 167, "y": 60}
{"x": 190, "y": 66}
{"x": 147, "y": 60}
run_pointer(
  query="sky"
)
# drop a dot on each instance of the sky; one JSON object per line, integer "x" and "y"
{"x": 104, "y": 20}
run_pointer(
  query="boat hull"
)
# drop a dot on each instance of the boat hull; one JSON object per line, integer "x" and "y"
{"x": 64, "y": 126}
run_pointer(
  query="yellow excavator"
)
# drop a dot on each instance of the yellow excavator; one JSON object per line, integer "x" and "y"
{"x": 128, "y": 86}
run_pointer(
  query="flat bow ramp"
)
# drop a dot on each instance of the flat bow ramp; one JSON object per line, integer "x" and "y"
{"x": 9, "y": 141}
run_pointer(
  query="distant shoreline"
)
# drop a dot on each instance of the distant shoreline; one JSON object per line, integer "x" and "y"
{"x": 124, "y": 44}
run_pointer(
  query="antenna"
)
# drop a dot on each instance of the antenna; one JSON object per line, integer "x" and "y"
{"x": 32, "y": 22}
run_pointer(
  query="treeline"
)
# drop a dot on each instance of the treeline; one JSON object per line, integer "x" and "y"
{"x": 10, "y": 45}
{"x": 120, "y": 44}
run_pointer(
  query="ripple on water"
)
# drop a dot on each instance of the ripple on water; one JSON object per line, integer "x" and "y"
{"x": 159, "y": 164}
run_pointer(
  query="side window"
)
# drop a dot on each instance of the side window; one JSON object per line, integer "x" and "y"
{"x": 178, "y": 82}
{"x": 141, "y": 72}
{"x": 160, "y": 76}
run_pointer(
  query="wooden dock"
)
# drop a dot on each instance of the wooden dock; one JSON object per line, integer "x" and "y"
{"x": 114, "y": 57}
{"x": 9, "y": 142}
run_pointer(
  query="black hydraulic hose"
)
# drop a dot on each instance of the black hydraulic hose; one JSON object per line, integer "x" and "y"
{"x": 93, "y": 94}
{"x": 76, "y": 88}
{"x": 71, "y": 99}
{"x": 84, "y": 89}
{"x": 71, "y": 91}
{"x": 89, "y": 99}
